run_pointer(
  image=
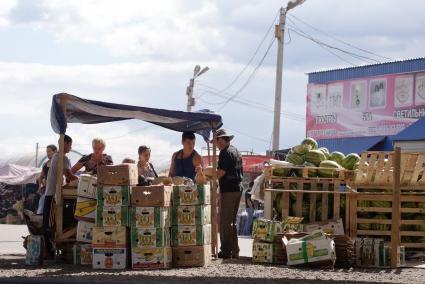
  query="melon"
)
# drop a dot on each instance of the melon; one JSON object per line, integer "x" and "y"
{"x": 381, "y": 227}
{"x": 328, "y": 169}
{"x": 282, "y": 171}
{"x": 350, "y": 160}
{"x": 312, "y": 172}
{"x": 325, "y": 151}
{"x": 362, "y": 226}
{"x": 295, "y": 159}
{"x": 385, "y": 204}
{"x": 277, "y": 204}
{"x": 310, "y": 141}
{"x": 315, "y": 157}
{"x": 337, "y": 157}
{"x": 420, "y": 228}
{"x": 301, "y": 149}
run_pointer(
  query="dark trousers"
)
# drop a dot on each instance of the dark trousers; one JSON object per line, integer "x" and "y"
{"x": 48, "y": 231}
{"x": 228, "y": 231}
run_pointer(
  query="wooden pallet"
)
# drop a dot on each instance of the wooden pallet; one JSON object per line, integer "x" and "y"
{"x": 343, "y": 175}
{"x": 358, "y": 210}
{"x": 376, "y": 170}
{"x": 318, "y": 190}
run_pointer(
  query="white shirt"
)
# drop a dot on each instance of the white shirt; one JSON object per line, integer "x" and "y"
{"x": 52, "y": 175}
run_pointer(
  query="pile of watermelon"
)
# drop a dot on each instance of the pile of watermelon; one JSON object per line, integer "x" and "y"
{"x": 308, "y": 154}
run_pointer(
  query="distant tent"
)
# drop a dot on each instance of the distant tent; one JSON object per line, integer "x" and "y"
{"x": 16, "y": 175}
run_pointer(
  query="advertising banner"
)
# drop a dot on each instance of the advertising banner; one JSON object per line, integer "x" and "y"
{"x": 371, "y": 106}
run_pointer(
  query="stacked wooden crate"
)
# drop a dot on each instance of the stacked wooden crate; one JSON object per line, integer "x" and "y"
{"x": 388, "y": 199}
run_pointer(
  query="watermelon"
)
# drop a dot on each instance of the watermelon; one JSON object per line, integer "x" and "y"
{"x": 420, "y": 228}
{"x": 381, "y": 227}
{"x": 385, "y": 204}
{"x": 311, "y": 172}
{"x": 350, "y": 160}
{"x": 337, "y": 157}
{"x": 362, "y": 226}
{"x": 301, "y": 149}
{"x": 295, "y": 159}
{"x": 356, "y": 166}
{"x": 421, "y": 204}
{"x": 277, "y": 204}
{"x": 408, "y": 205}
{"x": 329, "y": 169}
{"x": 282, "y": 171}
{"x": 325, "y": 151}
{"x": 315, "y": 157}
{"x": 311, "y": 142}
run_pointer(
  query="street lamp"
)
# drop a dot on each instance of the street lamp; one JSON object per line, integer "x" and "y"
{"x": 189, "y": 90}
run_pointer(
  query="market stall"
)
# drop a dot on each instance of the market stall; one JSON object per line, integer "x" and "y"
{"x": 67, "y": 108}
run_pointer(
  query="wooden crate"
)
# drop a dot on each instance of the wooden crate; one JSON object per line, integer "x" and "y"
{"x": 312, "y": 189}
{"x": 376, "y": 170}
{"x": 362, "y": 213}
{"x": 302, "y": 173}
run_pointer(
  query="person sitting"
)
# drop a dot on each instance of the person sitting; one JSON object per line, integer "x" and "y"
{"x": 186, "y": 162}
{"x": 92, "y": 161}
{"x": 146, "y": 170}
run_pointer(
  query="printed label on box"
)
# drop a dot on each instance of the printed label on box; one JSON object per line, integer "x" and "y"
{"x": 85, "y": 209}
{"x": 191, "y": 215}
{"x": 153, "y": 258}
{"x": 109, "y": 258}
{"x": 191, "y": 235}
{"x": 83, "y": 254}
{"x": 87, "y": 186}
{"x": 150, "y": 217}
{"x": 85, "y": 232}
{"x": 113, "y": 195}
{"x": 110, "y": 237}
{"x": 150, "y": 237}
{"x": 109, "y": 216}
{"x": 191, "y": 195}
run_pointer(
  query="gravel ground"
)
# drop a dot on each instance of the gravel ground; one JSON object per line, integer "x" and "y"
{"x": 13, "y": 270}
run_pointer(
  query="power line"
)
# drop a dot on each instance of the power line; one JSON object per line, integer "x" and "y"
{"x": 252, "y": 57}
{"x": 337, "y": 39}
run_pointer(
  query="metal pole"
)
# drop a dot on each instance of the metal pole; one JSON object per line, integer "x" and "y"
{"x": 279, "y": 33}
{"x": 214, "y": 215}
{"x": 396, "y": 204}
{"x": 189, "y": 93}
{"x": 36, "y": 154}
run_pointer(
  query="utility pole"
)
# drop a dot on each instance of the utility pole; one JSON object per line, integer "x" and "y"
{"x": 189, "y": 90}
{"x": 279, "y": 34}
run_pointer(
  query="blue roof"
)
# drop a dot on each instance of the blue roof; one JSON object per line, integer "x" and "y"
{"x": 351, "y": 144}
{"x": 403, "y": 66}
{"x": 416, "y": 131}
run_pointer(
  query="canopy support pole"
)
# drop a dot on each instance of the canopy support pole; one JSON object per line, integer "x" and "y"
{"x": 59, "y": 183}
{"x": 214, "y": 197}
{"x": 396, "y": 204}
{"x": 209, "y": 153}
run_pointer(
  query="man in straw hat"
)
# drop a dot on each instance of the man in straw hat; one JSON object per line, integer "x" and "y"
{"x": 229, "y": 173}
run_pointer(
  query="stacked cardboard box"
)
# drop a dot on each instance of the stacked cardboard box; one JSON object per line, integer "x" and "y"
{"x": 150, "y": 227}
{"x": 110, "y": 234}
{"x": 191, "y": 225}
{"x": 85, "y": 214}
{"x": 268, "y": 246}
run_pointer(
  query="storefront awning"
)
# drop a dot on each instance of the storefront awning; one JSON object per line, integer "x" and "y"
{"x": 351, "y": 145}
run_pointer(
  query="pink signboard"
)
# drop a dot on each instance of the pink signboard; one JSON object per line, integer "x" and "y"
{"x": 372, "y": 106}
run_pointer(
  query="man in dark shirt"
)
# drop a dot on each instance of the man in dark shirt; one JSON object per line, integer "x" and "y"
{"x": 229, "y": 173}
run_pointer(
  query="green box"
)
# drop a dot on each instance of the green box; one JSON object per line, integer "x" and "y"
{"x": 191, "y": 195}
{"x": 150, "y": 217}
{"x": 190, "y": 235}
{"x": 111, "y": 216}
{"x": 266, "y": 230}
{"x": 191, "y": 215}
{"x": 113, "y": 195}
{"x": 150, "y": 237}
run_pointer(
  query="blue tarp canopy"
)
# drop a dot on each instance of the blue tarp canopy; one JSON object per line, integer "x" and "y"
{"x": 416, "y": 131}
{"x": 78, "y": 110}
{"x": 352, "y": 144}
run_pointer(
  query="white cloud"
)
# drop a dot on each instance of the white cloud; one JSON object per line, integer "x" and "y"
{"x": 5, "y": 8}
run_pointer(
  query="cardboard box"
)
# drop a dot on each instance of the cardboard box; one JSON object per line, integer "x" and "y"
{"x": 150, "y": 217}
{"x": 311, "y": 248}
{"x": 191, "y": 215}
{"x": 109, "y": 258}
{"x": 113, "y": 195}
{"x": 263, "y": 252}
{"x": 150, "y": 237}
{"x": 123, "y": 174}
{"x": 151, "y": 196}
{"x": 83, "y": 254}
{"x": 370, "y": 252}
{"x": 191, "y": 195}
{"x": 87, "y": 186}
{"x": 111, "y": 216}
{"x": 192, "y": 256}
{"x": 153, "y": 258}
{"x": 190, "y": 235}
{"x": 110, "y": 237}
{"x": 85, "y": 232}
{"x": 266, "y": 230}
{"x": 85, "y": 209}
{"x": 35, "y": 250}
{"x": 331, "y": 228}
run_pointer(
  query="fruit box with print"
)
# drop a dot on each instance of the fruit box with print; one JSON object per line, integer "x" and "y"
{"x": 87, "y": 186}
{"x": 192, "y": 256}
{"x": 150, "y": 217}
{"x": 151, "y": 196}
{"x": 263, "y": 252}
{"x": 85, "y": 209}
{"x": 153, "y": 258}
{"x": 191, "y": 215}
{"x": 82, "y": 254}
{"x": 123, "y": 174}
{"x": 191, "y": 235}
{"x": 113, "y": 195}
{"x": 109, "y": 258}
{"x": 150, "y": 237}
{"x": 113, "y": 237}
{"x": 191, "y": 195}
{"x": 111, "y": 216}
{"x": 266, "y": 230}
{"x": 85, "y": 232}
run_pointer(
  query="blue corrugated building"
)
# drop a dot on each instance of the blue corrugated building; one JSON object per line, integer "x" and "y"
{"x": 411, "y": 138}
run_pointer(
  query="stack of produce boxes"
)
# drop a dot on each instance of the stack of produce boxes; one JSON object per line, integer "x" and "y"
{"x": 191, "y": 225}
{"x": 150, "y": 227}
{"x": 268, "y": 245}
{"x": 85, "y": 213}
{"x": 110, "y": 235}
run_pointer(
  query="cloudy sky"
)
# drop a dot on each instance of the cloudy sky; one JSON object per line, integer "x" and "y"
{"x": 143, "y": 53}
